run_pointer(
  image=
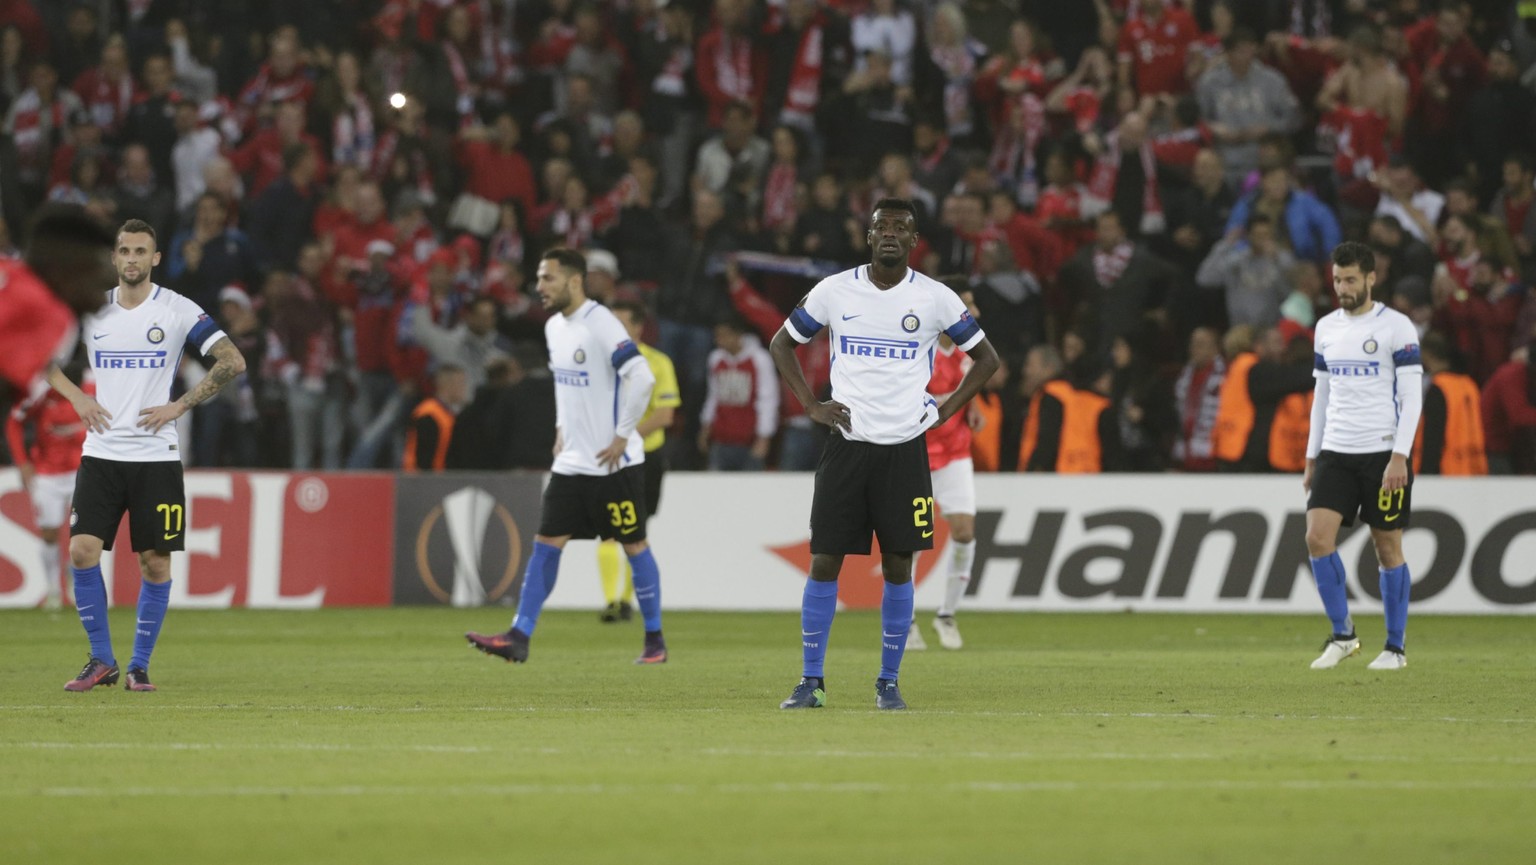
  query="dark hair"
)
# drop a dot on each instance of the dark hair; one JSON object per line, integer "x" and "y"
{"x": 139, "y": 226}
{"x": 901, "y": 205}
{"x": 1389, "y": 221}
{"x": 1257, "y": 219}
{"x": 1240, "y": 35}
{"x": 448, "y": 368}
{"x": 734, "y": 323}
{"x": 1354, "y": 254}
{"x": 740, "y": 106}
{"x": 67, "y": 225}
{"x": 569, "y": 259}
{"x": 631, "y": 308}
{"x": 1525, "y": 159}
{"x": 479, "y": 299}
{"x": 1435, "y": 345}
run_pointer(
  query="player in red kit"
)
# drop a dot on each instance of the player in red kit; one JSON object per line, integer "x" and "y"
{"x": 68, "y": 260}
{"x": 954, "y": 484}
{"x": 48, "y": 467}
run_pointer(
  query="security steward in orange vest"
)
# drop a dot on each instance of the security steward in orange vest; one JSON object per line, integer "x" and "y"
{"x": 1258, "y": 382}
{"x": 431, "y": 430}
{"x": 1067, "y": 430}
{"x": 1450, "y": 438}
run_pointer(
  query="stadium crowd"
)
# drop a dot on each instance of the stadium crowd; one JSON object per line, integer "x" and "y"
{"x": 1141, "y": 195}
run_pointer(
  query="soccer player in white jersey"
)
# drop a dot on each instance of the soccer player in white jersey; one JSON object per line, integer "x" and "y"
{"x": 1364, "y": 417}
{"x": 873, "y": 478}
{"x": 129, "y": 463}
{"x": 597, "y": 486}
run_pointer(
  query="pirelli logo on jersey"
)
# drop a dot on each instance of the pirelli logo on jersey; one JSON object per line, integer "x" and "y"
{"x": 1355, "y": 368}
{"x": 148, "y": 359}
{"x": 870, "y": 346}
{"x": 572, "y": 377}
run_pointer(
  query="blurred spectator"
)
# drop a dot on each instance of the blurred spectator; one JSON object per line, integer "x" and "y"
{"x": 1153, "y": 46}
{"x": 195, "y": 81}
{"x": 1068, "y": 431}
{"x": 1512, "y": 204}
{"x": 225, "y": 428}
{"x": 731, "y": 66}
{"x": 873, "y": 117}
{"x": 280, "y": 217}
{"x": 432, "y": 420}
{"x": 945, "y": 75}
{"x": 1197, "y": 215}
{"x": 151, "y": 120}
{"x": 1065, "y": 206}
{"x": 14, "y": 64}
{"x": 382, "y": 385}
{"x": 282, "y": 79}
{"x": 1244, "y": 100}
{"x": 1307, "y": 300}
{"x": 1142, "y": 405}
{"x": 666, "y": 62}
{"x": 1197, "y": 396}
{"x": 1406, "y": 199}
{"x": 142, "y": 195}
{"x": 1405, "y": 265}
{"x": 479, "y": 440}
{"x": 598, "y": 56}
{"x": 1008, "y": 297}
{"x": 1253, "y": 397}
{"x": 1253, "y": 270}
{"x": 1509, "y": 417}
{"x": 346, "y": 111}
{"x": 883, "y": 28}
{"x": 203, "y": 259}
{"x": 1083, "y": 94}
{"x": 107, "y": 90}
{"x": 827, "y": 230}
{"x": 1113, "y": 283}
{"x": 35, "y": 125}
{"x": 302, "y": 353}
{"x": 195, "y": 146}
{"x": 692, "y": 296}
{"x": 1501, "y": 119}
{"x": 735, "y": 149}
{"x": 1304, "y": 225}
{"x": 1450, "y": 438}
{"x": 470, "y": 346}
{"x": 79, "y": 47}
{"x": 1479, "y": 318}
{"x": 1452, "y": 68}
{"x": 987, "y": 445}
{"x": 1364, "y": 107}
{"x": 935, "y": 165}
{"x": 261, "y": 159}
{"x": 741, "y": 408}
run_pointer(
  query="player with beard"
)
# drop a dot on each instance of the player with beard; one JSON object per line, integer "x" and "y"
{"x": 596, "y": 486}
{"x": 873, "y": 478}
{"x": 1364, "y": 418}
{"x": 130, "y": 463}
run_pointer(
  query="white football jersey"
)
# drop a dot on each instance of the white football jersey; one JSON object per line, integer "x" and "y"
{"x": 135, "y": 354}
{"x": 882, "y": 347}
{"x": 1363, "y": 356}
{"x": 588, "y": 351}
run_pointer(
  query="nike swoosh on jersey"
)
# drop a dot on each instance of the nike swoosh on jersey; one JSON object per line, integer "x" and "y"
{"x": 851, "y": 317}
{"x": 928, "y": 534}
{"x": 1391, "y": 519}
{"x": 99, "y": 335}
{"x": 172, "y": 536}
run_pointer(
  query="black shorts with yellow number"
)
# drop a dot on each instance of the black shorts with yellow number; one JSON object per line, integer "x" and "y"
{"x": 596, "y": 506}
{"x": 1351, "y": 484}
{"x": 864, "y": 488}
{"x": 151, "y": 494}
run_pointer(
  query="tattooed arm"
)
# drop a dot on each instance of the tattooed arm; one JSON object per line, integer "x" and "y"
{"x": 229, "y": 363}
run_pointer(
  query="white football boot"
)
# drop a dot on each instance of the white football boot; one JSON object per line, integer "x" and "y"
{"x": 915, "y": 641}
{"x": 1336, "y": 650}
{"x": 1388, "y": 660}
{"x": 949, "y": 632}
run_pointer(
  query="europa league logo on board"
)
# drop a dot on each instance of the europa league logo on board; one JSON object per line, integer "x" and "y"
{"x": 459, "y": 540}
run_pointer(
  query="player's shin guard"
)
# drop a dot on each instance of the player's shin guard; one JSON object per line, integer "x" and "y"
{"x": 1395, "y": 584}
{"x": 91, "y": 603}
{"x": 647, "y": 588}
{"x": 816, "y": 611}
{"x": 153, "y": 600}
{"x": 961, "y": 558}
{"x": 895, "y": 625}
{"x": 538, "y": 582}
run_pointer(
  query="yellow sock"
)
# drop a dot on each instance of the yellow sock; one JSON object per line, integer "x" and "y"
{"x": 613, "y": 570}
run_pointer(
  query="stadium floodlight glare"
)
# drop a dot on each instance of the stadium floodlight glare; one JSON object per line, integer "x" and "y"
{"x": 397, "y": 101}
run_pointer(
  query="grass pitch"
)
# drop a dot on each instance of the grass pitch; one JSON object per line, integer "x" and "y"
{"x": 378, "y": 737}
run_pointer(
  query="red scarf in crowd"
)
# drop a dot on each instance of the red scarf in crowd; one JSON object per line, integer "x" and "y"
{"x": 805, "y": 79}
{"x": 1106, "y": 173}
{"x": 1013, "y": 150}
{"x": 733, "y": 67}
{"x": 779, "y": 197}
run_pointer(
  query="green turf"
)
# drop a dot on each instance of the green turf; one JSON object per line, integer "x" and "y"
{"x": 379, "y": 737}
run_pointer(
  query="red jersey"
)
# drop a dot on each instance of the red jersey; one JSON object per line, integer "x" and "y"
{"x": 952, "y": 440}
{"x": 36, "y": 327}
{"x": 1360, "y": 140}
{"x": 1156, "y": 50}
{"x": 59, "y": 433}
{"x": 1061, "y": 209}
{"x": 743, "y": 401}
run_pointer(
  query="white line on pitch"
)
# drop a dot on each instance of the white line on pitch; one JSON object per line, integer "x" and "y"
{"x": 1150, "y": 786}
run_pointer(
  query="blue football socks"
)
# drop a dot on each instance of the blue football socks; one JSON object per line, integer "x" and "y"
{"x": 816, "y": 612}
{"x": 895, "y": 624}
{"x": 647, "y": 582}
{"x": 538, "y": 582}
{"x": 1328, "y": 572}
{"x": 91, "y": 604}
{"x": 153, "y": 600}
{"x": 1395, "y": 584}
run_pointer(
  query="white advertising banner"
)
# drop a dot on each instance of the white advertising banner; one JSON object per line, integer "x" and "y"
{"x": 1102, "y": 543}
